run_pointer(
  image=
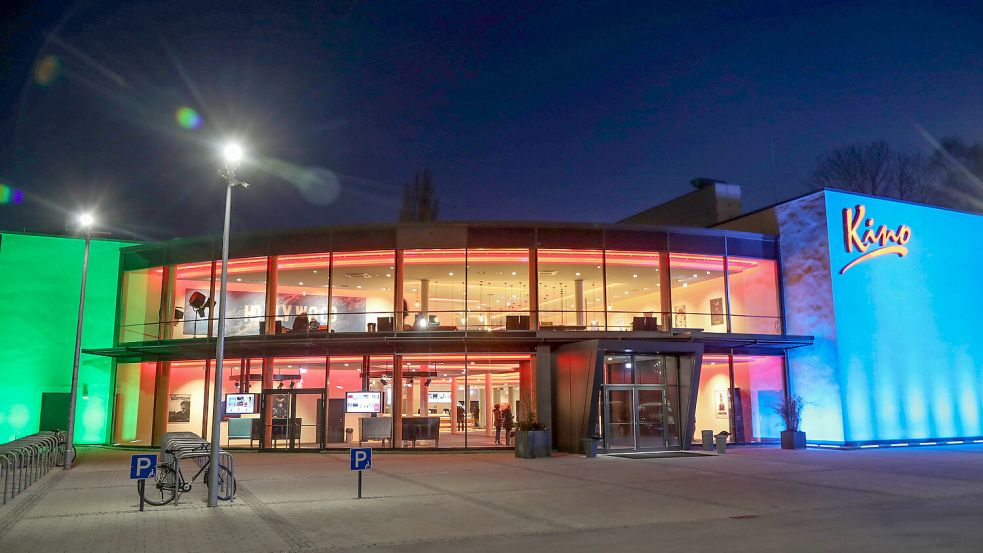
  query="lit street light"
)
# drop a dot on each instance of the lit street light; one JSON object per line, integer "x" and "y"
{"x": 85, "y": 222}
{"x": 233, "y": 155}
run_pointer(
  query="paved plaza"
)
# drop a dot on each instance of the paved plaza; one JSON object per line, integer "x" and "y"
{"x": 897, "y": 499}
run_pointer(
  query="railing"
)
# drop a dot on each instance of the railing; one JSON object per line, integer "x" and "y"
{"x": 25, "y": 460}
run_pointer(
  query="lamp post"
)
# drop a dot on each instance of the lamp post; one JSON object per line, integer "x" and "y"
{"x": 233, "y": 155}
{"x": 85, "y": 224}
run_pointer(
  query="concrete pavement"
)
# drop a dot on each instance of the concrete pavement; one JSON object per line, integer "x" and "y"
{"x": 928, "y": 498}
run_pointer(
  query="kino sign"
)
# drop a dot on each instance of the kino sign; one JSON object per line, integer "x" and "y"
{"x": 860, "y": 236}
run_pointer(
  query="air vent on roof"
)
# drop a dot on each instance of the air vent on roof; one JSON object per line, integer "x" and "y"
{"x": 358, "y": 275}
{"x": 548, "y": 273}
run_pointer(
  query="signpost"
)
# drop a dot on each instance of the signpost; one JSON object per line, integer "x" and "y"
{"x": 142, "y": 467}
{"x": 361, "y": 459}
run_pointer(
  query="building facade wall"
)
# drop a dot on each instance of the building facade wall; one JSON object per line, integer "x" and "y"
{"x": 39, "y": 302}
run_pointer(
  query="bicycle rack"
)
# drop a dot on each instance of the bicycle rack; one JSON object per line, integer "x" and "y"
{"x": 188, "y": 445}
{"x": 25, "y": 460}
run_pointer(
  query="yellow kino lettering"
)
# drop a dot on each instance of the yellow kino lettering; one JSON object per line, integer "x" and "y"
{"x": 856, "y": 240}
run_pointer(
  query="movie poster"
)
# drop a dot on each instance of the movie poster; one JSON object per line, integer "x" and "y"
{"x": 179, "y": 408}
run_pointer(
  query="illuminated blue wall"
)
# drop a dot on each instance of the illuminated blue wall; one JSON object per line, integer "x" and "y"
{"x": 908, "y": 342}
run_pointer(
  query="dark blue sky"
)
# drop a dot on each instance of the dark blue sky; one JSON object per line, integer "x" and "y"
{"x": 586, "y": 112}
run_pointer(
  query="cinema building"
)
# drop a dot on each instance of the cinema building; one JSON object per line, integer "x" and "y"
{"x": 642, "y": 333}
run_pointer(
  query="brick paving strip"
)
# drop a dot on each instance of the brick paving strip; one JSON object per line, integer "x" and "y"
{"x": 34, "y": 494}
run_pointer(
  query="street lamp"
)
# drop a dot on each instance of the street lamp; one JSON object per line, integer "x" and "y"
{"x": 85, "y": 222}
{"x": 233, "y": 155}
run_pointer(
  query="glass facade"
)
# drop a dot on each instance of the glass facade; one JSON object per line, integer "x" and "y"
{"x": 444, "y": 400}
{"x": 458, "y": 289}
{"x": 738, "y": 394}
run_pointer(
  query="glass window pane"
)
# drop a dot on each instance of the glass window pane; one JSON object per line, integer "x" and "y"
{"x": 302, "y": 292}
{"x": 698, "y": 292}
{"x": 141, "y": 305}
{"x": 571, "y": 292}
{"x": 758, "y": 387}
{"x": 754, "y": 295}
{"x": 434, "y": 289}
{"x": 633, "y": 288}
{"x": 617, "y": 369}
{"x": 193, "y": 296}
{"x": 713, "y": 398}
{"x": 498, "y": 289}
{"x": 246, "y": 296}
{"x": 362, "y": 290}
{"x": 135, "y": 384}
{"x": 346, "y": 375}
{"x": 650, "y": 369}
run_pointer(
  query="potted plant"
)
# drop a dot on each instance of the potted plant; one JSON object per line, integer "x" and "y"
{"x": 790, "y": 410}
{"x": 532, "y": 439}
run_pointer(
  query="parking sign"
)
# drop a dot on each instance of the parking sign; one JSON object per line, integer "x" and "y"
{"x": 143, "y": 466}
{"x": 361, "y": 458}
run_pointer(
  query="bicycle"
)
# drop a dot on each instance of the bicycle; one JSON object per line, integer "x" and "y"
{"x": 169, "y": 480}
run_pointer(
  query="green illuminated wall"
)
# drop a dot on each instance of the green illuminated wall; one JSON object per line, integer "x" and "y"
{"x": 40, "y": 277}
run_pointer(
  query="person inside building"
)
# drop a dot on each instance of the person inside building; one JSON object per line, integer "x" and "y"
{"x": 497, "y": 412}
{"x": 300, "y": 322}
{"x": 461, "y": 417}
{"x": 508, "y": 421}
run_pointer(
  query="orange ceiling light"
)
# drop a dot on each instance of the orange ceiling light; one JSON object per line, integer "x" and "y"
{"x": 303, "y": 261}
{"x": 358, "y": 259}
{"x": 708, "y": 262}
{"x": 632, "y": 259}
{"x": 571, "y": 257}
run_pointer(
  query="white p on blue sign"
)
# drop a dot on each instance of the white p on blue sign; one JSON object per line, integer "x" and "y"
{"x": 143, "y": 466}
{"x": 361, "y": 458}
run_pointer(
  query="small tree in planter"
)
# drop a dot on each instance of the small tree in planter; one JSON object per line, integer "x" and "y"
{"x": 790, "y": 410}
{"x": 532, "y": 439}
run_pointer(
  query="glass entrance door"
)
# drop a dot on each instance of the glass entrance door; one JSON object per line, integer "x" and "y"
{"x": 619, "y": 409}
{"x": 650, "y": 405}
{"x": 295, "y": 418}
{"x": 635, "y": 418}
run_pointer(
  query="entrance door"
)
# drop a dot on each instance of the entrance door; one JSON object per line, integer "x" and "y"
{"x": 296, "y": 418}
{"x": 619, "y": 410}
{"x": 635, "y": 418}
{"x": 650, "y": 405}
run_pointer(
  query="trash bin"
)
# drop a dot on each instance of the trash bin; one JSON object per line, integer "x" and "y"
{"x": 590, "y": 447}
{"x": 721, "y": 441}
{"x": 707, "y": 440}
{"x": 348, "y": 435}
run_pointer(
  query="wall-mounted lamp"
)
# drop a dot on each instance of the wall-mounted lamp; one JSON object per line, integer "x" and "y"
{"x": 85, "y": 391}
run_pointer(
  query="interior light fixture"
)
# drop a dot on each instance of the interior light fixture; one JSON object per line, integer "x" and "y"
{"x": 85, "y": 391}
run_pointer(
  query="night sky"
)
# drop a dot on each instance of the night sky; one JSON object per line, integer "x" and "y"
{"x": 587, "y": 112}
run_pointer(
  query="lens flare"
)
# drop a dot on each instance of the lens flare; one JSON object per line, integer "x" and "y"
{"x": 187, "y": 118}
{"x": 47, "y": 70}
{"x": 10, "y": 195}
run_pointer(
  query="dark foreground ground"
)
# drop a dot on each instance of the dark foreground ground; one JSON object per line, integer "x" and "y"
{"x": 898, "y": 499}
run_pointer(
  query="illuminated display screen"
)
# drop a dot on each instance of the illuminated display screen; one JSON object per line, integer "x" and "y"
{"x": 439, "y": 397}
{"x": 363, "y": 402}
{"x": 240, "y": 404}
